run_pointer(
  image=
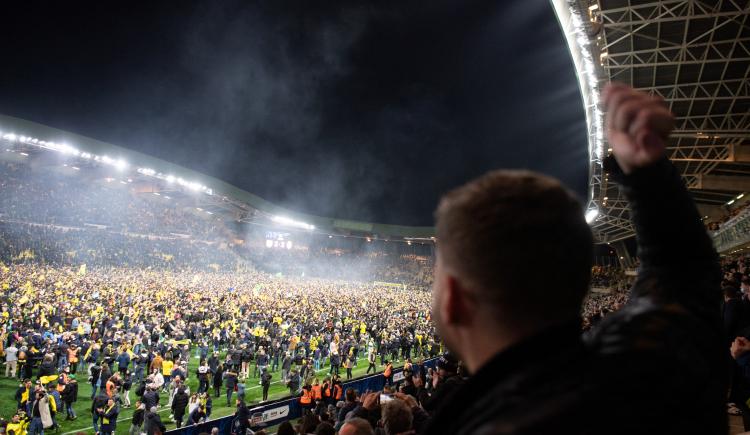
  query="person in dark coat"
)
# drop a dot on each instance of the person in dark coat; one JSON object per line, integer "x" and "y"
{"x": 196, "y": 416}
{"x": 152, "y": 423}
{"x": 69, "y": 397}
{"x": 179, "y": 403}
{"x": 242, "y": 416}
{"x": 265, "y": 382}
{"x": 99, "y": 402}
{"x": 733, "y": 313}
{"x": 519, "y": 332}
{"x": 218, "y": 379}
{"x": 47, "y": 368}
{"x": 139, "y": 415}
{"x": 95, "y": 371}
{"x": 150, "y": 398}
{"x": 108, "y": 415}
{"x": 230, "y": 381}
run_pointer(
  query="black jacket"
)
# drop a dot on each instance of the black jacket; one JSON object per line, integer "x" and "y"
{"x": 656, "y": 366}
{"x": 179, "y": 403}
{"x": 243, "y": 417}
{"x": 150, "y": 399}
{"x": 152, "y": 422}
{"x": 70, "y": 393}
{"x": 138, "y": 417}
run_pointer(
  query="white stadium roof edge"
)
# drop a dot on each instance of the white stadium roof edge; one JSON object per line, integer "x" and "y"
{"x": 696, "y": 56}
{"x": 25, "y": 137}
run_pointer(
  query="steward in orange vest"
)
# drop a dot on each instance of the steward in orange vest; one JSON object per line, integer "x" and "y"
{"x": 317, "y": 391}
{"x": 306, "y": 400}
{"x": 338, "y": 390}
{"x": 388, "y": 373}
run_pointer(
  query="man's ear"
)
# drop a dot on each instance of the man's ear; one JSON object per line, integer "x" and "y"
{"x": 458, "y": 306}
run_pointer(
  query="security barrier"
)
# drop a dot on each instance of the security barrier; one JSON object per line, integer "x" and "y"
{"x": 278, "y": 411}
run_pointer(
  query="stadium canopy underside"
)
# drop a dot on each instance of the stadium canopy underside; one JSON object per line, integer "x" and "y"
{"x": 693, "y": 54}
{"x": 43, "y": 145}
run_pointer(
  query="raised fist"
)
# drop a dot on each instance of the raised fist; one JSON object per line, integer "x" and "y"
{"x": 638, "y": 126}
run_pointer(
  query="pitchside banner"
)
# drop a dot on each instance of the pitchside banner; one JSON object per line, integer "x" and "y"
{"x": 264, "y": 416}
{"x": 273, "y": 413}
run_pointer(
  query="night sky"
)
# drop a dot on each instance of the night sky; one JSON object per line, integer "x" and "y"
{"x": 346, "y": 109}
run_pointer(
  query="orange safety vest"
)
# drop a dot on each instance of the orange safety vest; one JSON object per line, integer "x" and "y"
{"x": 306, "y": 398}
{"x": 388, "y": 371}
{"x": 110, "y": 389}
{"x": 72, "y": 356}
{"x": 61, "y": 381}
{"x": 337, "y": 391}
{"x": 317, "y": 392}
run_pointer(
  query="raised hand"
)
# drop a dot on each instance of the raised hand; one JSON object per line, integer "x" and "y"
{"x": 638, "y": 126}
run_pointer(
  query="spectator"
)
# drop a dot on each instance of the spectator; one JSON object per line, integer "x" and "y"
{"x": 499, "y": 316}
{"x": 179, "y": 403}
{"x": 396, "y": 417}
{"x": 242, "y": 416}
{"x": 265, "y": 381}
{"x": 11, "y": 361}
{"x": 285, "y": 428}
{"x": 108, "y": 415}
{"x": 152, "y": 424}
{"x": 139, "y": 416}
{"x": 69, "y": 397}
{"x": 356, "y": 426}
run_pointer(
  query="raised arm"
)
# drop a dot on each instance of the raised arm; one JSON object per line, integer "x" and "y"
{"x": 678, "y": 261}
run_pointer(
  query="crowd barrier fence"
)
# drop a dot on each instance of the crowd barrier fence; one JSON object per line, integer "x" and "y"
{"x": 278, "y": 411}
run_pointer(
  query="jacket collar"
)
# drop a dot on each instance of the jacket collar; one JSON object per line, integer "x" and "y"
{"x": 508, "y": 363}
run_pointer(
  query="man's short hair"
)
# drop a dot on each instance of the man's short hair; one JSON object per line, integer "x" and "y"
{"x": 520, "y": 240}
{"x": 361, "y": 426}
{"x": 396, "y": 416}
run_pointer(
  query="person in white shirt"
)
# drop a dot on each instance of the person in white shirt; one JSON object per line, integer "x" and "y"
{"x": 11, "y": 360}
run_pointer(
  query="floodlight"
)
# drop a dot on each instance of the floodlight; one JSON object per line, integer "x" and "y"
{"x": 591, "y": 215}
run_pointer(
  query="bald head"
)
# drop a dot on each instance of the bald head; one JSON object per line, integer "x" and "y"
{"x": 356, "y": 426}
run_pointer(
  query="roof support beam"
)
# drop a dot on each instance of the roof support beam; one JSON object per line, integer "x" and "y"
{"x": 723, "y": 182}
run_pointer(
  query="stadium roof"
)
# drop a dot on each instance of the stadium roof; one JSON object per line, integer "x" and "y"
{"x": 694, "y": 54}
{"x": 215, "y": 194}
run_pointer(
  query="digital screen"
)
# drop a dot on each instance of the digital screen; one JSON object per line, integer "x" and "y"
{"x": 278, "y": 240}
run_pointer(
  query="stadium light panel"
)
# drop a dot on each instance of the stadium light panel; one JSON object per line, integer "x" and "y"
{"x": 283, "y": 220}
{"x": 591, "y": 215}
{"x": 121, "y": 164}
{"x": 170, "y": 178}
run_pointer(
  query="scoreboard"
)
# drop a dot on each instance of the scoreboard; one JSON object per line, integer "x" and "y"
{"x": 278, "y": 240}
